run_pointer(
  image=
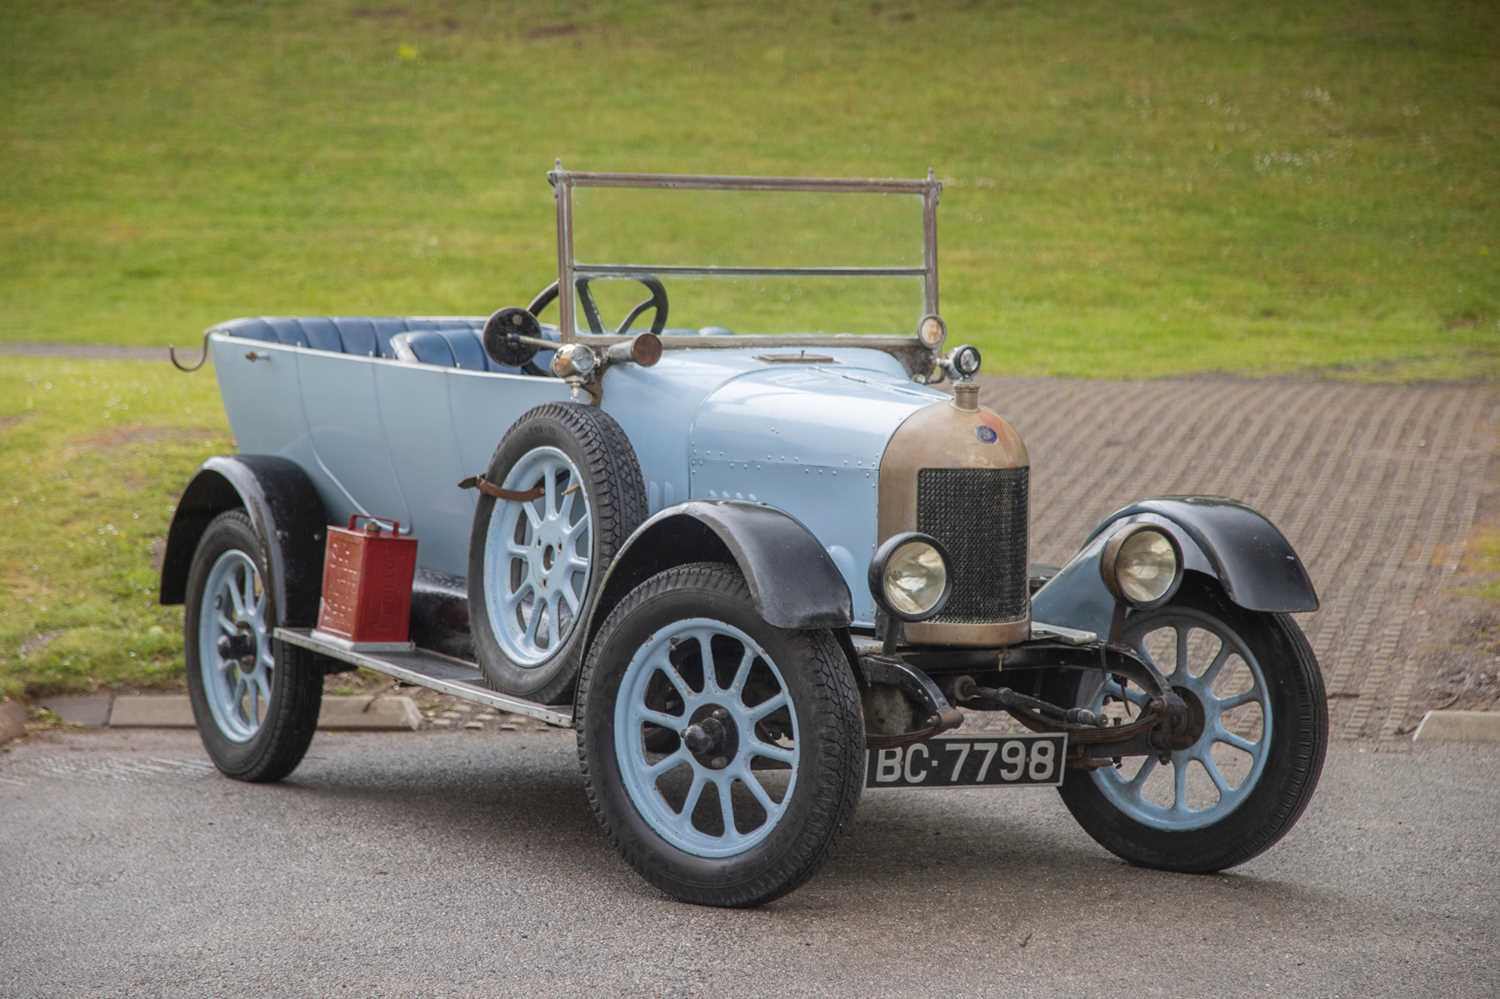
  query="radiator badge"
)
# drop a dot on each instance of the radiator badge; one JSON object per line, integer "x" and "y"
{"x": 986, "y": 435}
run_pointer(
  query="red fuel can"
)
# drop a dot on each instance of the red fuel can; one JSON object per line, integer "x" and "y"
{"x": 367, "y": 576}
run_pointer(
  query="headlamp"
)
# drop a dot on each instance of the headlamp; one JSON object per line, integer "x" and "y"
{"x": 909, "y": 577}
{"x": 1141, "y": 565}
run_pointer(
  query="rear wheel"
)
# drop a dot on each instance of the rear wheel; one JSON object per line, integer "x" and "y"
{"x": 255, "y": 701}
{"x": 1255, "y": 683}
{"x": 723, "y": 756}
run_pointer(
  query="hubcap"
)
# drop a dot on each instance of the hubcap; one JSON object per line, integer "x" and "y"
{"x": 701, "y": 705}
{"x": 536, "y": 558}
{"x": 234, "y": 646}
{"x": 1223, "y": 685}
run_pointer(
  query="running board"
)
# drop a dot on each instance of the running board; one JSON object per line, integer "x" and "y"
{"x": 427, "y": 669}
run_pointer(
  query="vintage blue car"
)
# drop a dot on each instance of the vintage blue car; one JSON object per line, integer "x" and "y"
{"x": 757, "y": 573}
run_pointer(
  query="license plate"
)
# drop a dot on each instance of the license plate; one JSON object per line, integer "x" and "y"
{"x": 1008, "y": 761}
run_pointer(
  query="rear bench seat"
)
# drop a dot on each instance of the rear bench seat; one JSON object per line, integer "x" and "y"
{"x": 452, "y": 342}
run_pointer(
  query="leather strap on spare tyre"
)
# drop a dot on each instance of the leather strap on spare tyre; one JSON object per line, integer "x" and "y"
{"x": 490, "y": 489}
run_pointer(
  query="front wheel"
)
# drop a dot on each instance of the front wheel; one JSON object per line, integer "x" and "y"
{"x": 1254, "y": 683}
{"x": 722, "y": 756}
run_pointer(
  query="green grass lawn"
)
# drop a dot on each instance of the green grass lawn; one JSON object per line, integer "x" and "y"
{"x": 92, "y": 455}
{"x": 1132, "y": 189}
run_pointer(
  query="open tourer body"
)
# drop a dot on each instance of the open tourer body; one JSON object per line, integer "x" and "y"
{"x": 757, "y": 573}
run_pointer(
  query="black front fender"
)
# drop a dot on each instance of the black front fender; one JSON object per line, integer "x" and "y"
{"x": 1222, "y": 539}
{"x": 792, "y": 579}
{"x": 284, "y": 508}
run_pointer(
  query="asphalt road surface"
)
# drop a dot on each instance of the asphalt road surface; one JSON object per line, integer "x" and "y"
{"x": 468, "y": 864}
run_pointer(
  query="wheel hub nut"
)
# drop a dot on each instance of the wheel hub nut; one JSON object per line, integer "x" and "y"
{"x": 712, "y": 737}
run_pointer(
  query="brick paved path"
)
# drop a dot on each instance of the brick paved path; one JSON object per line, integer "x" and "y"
{"x": 1375, "y": 486}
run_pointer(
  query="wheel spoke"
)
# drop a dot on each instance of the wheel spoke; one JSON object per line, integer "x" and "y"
{"x": 531, "y": 515}
{"x": 249, "y": 593}
{"x": 748, "y": 778}
{"x": 1237, "y": 741}
{"x": 673, "y": 722}
{"x": 235, "y": 598}
{"x": 726, "y": 806}
{"x": 1213, "y": 771}
{"x": 1183, "y": 666}
{"x": 262, "y": 688}
{"x": 572, "y": 598}
{"x": 519, "y": 594}
{"x": 565, "y": 509}
{"x": 534, "y": 620}
{"x": 225, "y": 624}
{"x": 1179, "y": 786}
{"x": 554, "y": 618}
{"x": 705, "y": 649}
{"x": 700, "y": 781}
{"x": 742, "y": 673}
{"x": 675, "y": 679}
{"x": 1210, "y": 674}
{"x": 1235, "y": 700}
{"x": 778, "y": 753}
{"x": 1145, "y": 654}
{"x": 765, "y": 707}
{"x": 549, "y": 489}
{"x": 1135, "y": 783}
{"x": 661, "y": 766}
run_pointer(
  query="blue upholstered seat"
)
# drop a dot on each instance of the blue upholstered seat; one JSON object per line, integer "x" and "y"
{"x": 448, "y": 342}
{"x": 367, "y": 336}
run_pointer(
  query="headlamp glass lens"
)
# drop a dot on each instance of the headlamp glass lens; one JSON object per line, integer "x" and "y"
{"x": 915, "y": 578}
{"x": 1146, "y": 566}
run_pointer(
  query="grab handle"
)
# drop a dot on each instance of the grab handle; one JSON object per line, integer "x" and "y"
{"x": 374, "y": 525}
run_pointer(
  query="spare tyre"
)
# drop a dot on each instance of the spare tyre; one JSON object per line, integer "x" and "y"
{"x": 537, "y": 559}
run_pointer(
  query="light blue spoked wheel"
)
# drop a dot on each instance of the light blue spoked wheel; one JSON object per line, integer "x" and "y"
{"x": 255, "y": 701}
{"x": 234, "y": 646}
{"x": 1254, "y": 691}
{"x": 537, "y": 555}
{"x": 684, "y": 733}
{"x": 723, "y": 756}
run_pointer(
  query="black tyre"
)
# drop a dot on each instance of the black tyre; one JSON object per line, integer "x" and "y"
{"x": 255, "y": 701}
{"x": 535, "y": 566}
{"x": 1247, "y": 780}
{"x": 722, "y": 756}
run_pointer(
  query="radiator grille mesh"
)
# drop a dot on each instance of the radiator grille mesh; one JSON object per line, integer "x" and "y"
{"x": 979, "y": 515}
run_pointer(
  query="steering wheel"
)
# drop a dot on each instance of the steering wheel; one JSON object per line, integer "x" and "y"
{"x": 657, "y": 301}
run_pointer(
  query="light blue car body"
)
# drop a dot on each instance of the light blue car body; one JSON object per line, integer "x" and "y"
{"x": 391, "y": 438}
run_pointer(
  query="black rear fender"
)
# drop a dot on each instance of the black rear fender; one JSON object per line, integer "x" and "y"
{"x": 287, "y": 515}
